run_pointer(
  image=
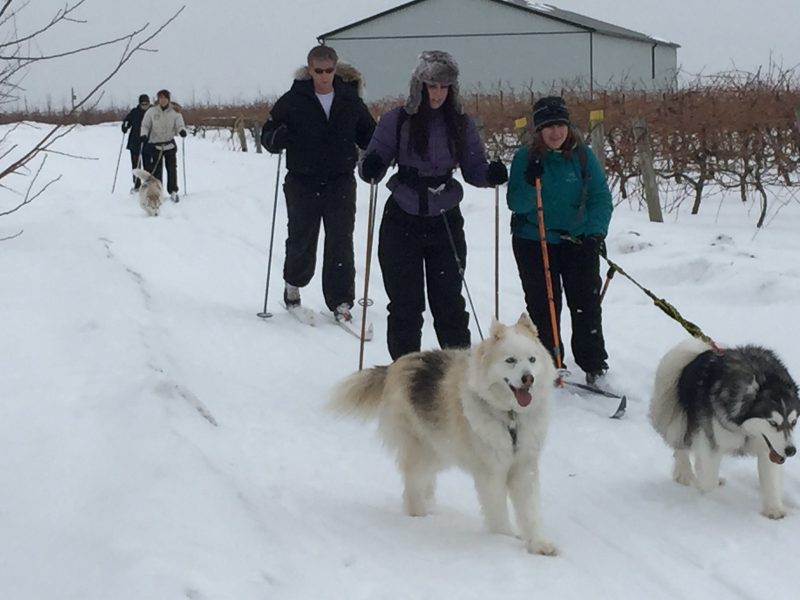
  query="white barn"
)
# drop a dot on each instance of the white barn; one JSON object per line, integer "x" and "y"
{"x": 503, "y": 43}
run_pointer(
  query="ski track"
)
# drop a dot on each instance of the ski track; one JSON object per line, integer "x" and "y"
{"x": 190, "y": 454}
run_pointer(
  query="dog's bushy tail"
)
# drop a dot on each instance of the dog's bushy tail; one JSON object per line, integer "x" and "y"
{"x": 360, "y": 394}
{"x": 666, "y": 414}
{"x": 142, "y": 174}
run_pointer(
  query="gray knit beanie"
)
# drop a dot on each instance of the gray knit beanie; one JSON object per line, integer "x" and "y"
{"x": 433, "y": 66}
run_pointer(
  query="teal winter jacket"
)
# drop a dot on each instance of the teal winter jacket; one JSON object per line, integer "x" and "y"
{"x": 562, "y": 187}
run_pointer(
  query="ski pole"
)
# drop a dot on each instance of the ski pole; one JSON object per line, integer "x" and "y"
{"x": 497, "y": 252}
{"x": 609, "y": 277}
{"x": 264, "y": 314}
{"x": 119, "y": 156}
{"x": 548, "y": 279}
{"x": 183, "y": 159}
{"x": 461, "y": 270}
{"x": 365, "y": 301}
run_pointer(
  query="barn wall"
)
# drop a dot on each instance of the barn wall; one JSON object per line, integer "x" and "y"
{"x": 494, "y": 45}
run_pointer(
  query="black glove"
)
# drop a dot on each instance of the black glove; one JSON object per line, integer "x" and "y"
{"x": 534, "y": 170}
{"x": 372, "y": 167}
{"x": 595, "y": 243}
{"x": 497, "y": 173}
{"x": 275, "y": 139}
{"x": 143, "y": 139}
{"x": 182, "y": 133}
{"x": 124, "y": 128}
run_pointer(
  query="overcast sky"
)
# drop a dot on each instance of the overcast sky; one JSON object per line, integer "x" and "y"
{"x": 250, "y": 48}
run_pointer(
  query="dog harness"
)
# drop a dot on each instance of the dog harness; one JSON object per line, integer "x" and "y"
{"x": 512, "y": 428}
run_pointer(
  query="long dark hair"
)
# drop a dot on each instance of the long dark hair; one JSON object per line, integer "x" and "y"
{"x": 419, "y": 127}
{"x": 538, "y": 148}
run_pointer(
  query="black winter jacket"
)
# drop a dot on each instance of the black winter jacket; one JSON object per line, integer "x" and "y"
{"x": 134, "y": 122}
{"x": 315, "y": 145}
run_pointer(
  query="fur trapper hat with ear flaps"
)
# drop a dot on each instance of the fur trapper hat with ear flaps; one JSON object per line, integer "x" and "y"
{"x": 433, "y": 66}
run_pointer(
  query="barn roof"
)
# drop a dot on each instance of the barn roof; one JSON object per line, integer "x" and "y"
{"x": 544, "y": 10}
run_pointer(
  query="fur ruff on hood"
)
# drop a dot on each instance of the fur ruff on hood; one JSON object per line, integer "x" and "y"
{"x": 433, "y": 66}
{"x": 347, "y": 72}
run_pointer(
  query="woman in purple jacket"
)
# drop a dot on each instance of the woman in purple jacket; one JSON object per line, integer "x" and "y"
{"x": 428, "y": 138}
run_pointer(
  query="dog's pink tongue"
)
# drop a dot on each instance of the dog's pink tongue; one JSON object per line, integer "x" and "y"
{"x": 523, "y": 397}
{"x": 775, "y": 457}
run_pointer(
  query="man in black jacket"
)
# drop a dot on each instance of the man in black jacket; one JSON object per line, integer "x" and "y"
{"x": 133, "y": 122}
{"x": 319, "y": 122}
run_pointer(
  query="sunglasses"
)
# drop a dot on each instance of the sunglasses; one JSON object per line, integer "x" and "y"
{"x": 329, "y": 70}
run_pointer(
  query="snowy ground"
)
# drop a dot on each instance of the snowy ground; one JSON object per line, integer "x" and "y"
{"x": 159, "y": 441}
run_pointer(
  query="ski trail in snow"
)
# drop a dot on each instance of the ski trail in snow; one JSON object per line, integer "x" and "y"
{"x": 166, "y": 388}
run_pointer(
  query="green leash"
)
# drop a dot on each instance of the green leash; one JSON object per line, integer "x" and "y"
{"x": 693, "y": 329}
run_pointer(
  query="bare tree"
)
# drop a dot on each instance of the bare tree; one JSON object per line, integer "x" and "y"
{"x": 16, "y": 59}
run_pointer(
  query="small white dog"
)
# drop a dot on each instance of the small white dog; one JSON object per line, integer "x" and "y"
{"x": 484, "y": 409}
{"x": 149, "y": 192}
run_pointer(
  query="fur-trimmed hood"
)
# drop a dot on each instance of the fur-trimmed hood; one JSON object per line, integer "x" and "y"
{"x": 346, "y": 72}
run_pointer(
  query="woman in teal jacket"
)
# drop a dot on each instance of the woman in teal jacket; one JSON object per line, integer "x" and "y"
{"x": 577, "y": 210}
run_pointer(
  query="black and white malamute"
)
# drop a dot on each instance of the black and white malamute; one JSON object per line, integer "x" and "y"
{"x": 741, "y": 401}
{"x": 484, "y": 409}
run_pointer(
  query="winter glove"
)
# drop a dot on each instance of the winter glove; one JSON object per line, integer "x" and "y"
{"x": 497, "y": 173}
{"x": 182, "y": 133}
{"x": 372, "y": 167}
{"x": 595, "y": 243}
{"x": 275, "y": 139}
{"x": 124, "y": 128}
{"x": 143, "y": 139}
{"x": 534, "y": 170}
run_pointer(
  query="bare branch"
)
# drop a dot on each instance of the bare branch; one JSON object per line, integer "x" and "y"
{"x": 6, "y": 4}
{"x": 59, "y": 131}
{"x": 31, "y": 59}
{"x": 28, "y": 198}
{"x": 61, "y": 15}
{"x": 16, "y": 235}
{"x": 67, "y": 154}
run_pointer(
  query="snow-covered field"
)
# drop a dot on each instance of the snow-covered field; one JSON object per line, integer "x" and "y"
{"x": 159, "y": 441}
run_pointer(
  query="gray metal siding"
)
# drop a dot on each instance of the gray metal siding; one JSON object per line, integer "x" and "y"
{"x": 502, "y": 61}
{"x": 455, "y": 17}
{"x": 622, "y": 61}
{"x": 667, "y": 66}
{"x": 496, "y": 45}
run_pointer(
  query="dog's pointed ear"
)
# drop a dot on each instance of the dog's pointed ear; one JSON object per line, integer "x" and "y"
{"x": 496, "y": 330}
{"x": 525, "y": 321}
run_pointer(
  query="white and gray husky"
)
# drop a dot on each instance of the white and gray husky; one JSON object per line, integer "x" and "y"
{"x": 484, "y": 409}
{"x": 149, "y": 192}
{"x": 741, "y": 401}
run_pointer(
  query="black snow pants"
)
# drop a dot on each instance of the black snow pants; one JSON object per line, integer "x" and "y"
{"x": 332, "y": 202}
{"x": 135, "y": 156}
{"x": 153, "y": 159}
{"x": 576, "y": 270}
{"x": 414, "y": 251}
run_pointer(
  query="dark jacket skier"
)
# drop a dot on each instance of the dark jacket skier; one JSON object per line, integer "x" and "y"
{"x": 133, "y": 123}
{"x": 320, "y": 122}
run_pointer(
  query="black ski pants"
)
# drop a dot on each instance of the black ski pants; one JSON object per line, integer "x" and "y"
{"x": 154, "y": 160}
{"x": 574, "y": 269}
{"x": 414, "y": 251}
{"x": 135, "y": 164}
{"x": 332, "y": 202}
